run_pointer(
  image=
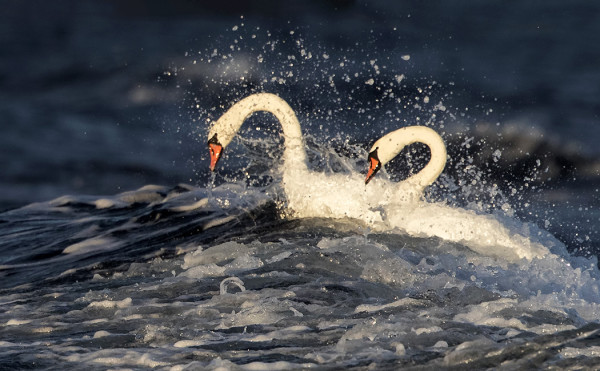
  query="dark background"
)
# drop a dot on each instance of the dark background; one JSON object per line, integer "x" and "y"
{"x": 94, "y": 99}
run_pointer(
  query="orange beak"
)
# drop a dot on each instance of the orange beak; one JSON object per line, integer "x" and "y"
{"x": 215, "y": 149}
{"x": 374, "y": 166}
{"x": 215, "y": 155}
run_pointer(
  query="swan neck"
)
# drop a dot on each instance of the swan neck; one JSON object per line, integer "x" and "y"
{"x": 229, "y": 124}
{"x": 391, "y": 144}
{"x": 436, "y": 164}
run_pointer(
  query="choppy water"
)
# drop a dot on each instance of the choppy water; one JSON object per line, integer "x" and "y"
{"x": 101, "y": 270}
{"x": 184, "y": 278}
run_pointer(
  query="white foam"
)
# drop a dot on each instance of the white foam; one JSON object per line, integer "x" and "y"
{"x": 386, "y": 206}
{"x": 101, "y": 334}
{"x": 427, "y": 330}
{"x": 215, "y": 254}
{"x": 404, "y": 302}
{"x": 484, "y": 234}
{"x": 147, "y": 194}
{"x": 91, "y": 245}
{"x": 568, "y": 289}
{"x": 279, "y": 257}
{"x": 231, "y": 280}
{"x": 104, "y": 203}
{"x": 17, "y": 322}
{"x": 201, "y": 271}
{"x": 116, "y": 357}
{"x": 111, "y": 303}
{"x": 285, "y": 333}
{"x": 189, "y": 343}
{"x": 241, "y": 263}
{"x": 590, "y": 351}
{"x": 484, "y": 314}
{"x": 196, "y": 205}
{"x": 278, "y": 365}
{"x": 219, "y": 221}
{"x": 466, "y": 352}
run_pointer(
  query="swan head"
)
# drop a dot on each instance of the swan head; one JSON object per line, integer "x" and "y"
{"x": 222, "y": 132}
{"x": 374, "y": 165}
{"x": 216, "y": 149}
{"x": 382, "y": 152}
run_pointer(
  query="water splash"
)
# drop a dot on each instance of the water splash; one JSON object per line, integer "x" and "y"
{"x": 231, "y": 281}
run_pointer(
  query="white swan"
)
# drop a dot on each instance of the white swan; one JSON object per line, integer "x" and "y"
{"x": 482, "y": 233}
{"x": 226, "y": 127}
{"x": 308, "y": 193}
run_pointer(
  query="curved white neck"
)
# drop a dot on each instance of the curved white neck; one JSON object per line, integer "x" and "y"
{"x": 392, "y": 143}
{"x": 227, "y": 126}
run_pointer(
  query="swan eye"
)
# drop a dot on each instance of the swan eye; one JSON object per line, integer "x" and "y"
{"x": 374, "y": 165}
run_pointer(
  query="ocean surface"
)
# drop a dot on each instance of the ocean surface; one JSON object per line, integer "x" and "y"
{"x": 119, "y": 249}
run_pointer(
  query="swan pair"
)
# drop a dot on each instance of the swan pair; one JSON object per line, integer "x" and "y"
{"x": 312, "y": 194}
{"x": 384, "y": 150}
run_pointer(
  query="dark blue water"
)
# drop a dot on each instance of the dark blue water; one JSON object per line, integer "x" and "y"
{"x": 100, "y": 98}
{"x": 88, "y": 89}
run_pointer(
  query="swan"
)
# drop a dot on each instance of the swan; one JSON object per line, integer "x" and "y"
{"x": 485, "y": 234}
{"x": 226, "y": 127}
{"x": 308, "y": 193}
{"x": 390, "y": 145}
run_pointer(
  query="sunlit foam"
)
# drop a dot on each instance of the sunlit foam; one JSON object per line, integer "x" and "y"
{"x": 386, "y": 206}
